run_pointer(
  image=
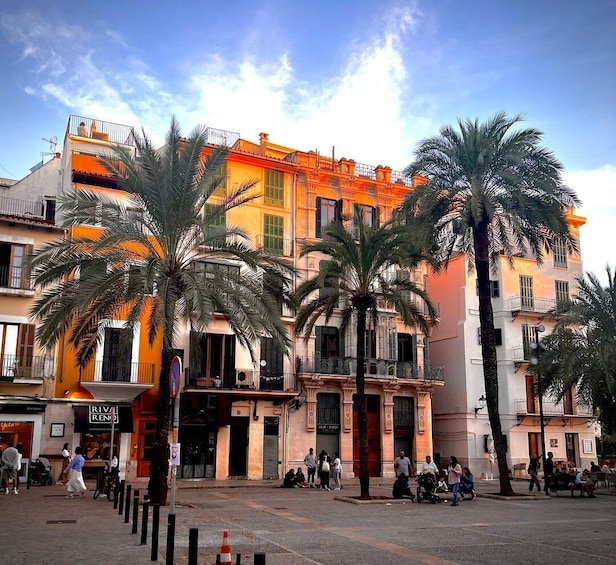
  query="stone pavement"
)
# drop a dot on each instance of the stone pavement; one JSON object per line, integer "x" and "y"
{"x": 308, "y": 526}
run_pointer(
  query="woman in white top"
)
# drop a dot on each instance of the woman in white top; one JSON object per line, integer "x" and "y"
{"x": 66, "y": 459}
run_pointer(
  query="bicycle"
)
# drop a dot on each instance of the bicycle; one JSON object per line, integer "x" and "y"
{"x": 107, "y": 485}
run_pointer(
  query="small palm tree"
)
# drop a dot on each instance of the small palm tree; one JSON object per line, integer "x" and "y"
{"x": 581, "y": 351}
{"x": 163, "y": 225}
{"x": 357, "y": 274}
{"x": 490, "y": 191}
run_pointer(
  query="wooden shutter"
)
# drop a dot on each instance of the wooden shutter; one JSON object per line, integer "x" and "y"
{"x": 317, "y": 228}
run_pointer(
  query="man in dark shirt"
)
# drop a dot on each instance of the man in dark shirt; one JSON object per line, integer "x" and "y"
{"x": 548, "y": 472}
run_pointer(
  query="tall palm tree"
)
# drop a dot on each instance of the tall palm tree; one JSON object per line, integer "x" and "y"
{"x": 491, "y": 190}
{"x": 157, "y": 230}
{"x": 581, "y": 351}
{"x": 357, "y": 273}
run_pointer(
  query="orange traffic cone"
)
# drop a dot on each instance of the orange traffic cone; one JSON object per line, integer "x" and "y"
{"x": 225, "y": 550}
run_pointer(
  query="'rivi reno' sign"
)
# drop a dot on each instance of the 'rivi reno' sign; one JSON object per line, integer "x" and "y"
{"x": 102, "y": 414}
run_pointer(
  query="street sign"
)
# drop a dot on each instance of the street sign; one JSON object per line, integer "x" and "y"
{"x": 174, "y": 376}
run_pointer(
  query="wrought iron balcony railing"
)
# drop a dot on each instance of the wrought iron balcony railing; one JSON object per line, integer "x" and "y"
{"x": 274, "y": 245}
{"x": 247, "y": 379}
{"x": 551, "y": 408}
{"x": 531, "y": 304}
{"x": 39, "y": 211}
{"x": 118, "y": 372}
{"x": 378, "y": 368}
{"x": 15, "y": 367}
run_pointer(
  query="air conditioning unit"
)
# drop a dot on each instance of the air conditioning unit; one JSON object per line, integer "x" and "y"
{"x": 244, "y": 378}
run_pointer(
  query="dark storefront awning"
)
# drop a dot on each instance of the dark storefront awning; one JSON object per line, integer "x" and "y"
{"x": 97, "y": 418}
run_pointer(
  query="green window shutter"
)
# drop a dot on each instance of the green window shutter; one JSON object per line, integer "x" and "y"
{"x": 274, "y": 187}
{"x": 273, "y": 234}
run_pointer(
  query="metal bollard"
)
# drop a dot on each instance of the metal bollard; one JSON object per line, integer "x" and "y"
{"x": 135, "y": 511}
{"x": 155, "y": 526}
{"x": 144, "y": 522}
{"x": 259, "y": 559}
{"x": 170, "y": 539}
{"x": 193, "y": 546}
{"x": 127, "y": 504}
{"x": 119, "y": 501}
{"x": 238, "y": 559}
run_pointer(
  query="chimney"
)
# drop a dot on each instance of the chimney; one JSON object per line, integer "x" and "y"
{"x": 263, "y": 137}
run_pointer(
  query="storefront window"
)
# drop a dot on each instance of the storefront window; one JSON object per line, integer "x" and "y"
{"x": 96, "y": 446}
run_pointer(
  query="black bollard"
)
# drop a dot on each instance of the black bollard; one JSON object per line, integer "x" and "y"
{"x": 193, "y": 546}
{"x": 135, "y": 511}
{"x": 127, "y": 504}
{"x": 238, "y": 559}
{"x": 144, "y": 522}
{"x": 120, "y": 499}
{"x": 170, "y": 539}
{"x": 259, "y": 559}
{"x": 155, "y": 526}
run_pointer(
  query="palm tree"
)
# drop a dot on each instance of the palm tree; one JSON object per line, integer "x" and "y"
{"x": 357, "y": 274}
{"x": 165, "y": 223}
{"x": 490, "y": 191}
{"x": 581, "y": 351}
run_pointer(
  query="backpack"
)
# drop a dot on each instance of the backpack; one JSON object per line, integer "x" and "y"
{"x": 325, "y": 466}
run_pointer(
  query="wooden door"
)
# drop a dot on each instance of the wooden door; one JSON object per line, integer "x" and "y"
{"x": 373, "y": 410}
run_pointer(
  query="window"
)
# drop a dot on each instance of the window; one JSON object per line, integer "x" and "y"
{"x": 328, "y": 211}
{"x": 560, "y": 253}
{"x": 13, "y": 266}
{"x": 562, "y": 292}
{"x": 526, "y": 292}
{"x": 213, "y": 356}
{"x": 328, "y": 413}
{"x": 528, "y": 337}
{"x": 272, "y": 358}
{"x": 498, "y": 336}
{"x": 216, "y": 218}
{"x": 273, "y": 234}
{"x": 209, "y": 268}
{"x": 328, "y": 342}
{"x": 274, "y": 187}
{"x": 494, "y": 288}
{"x": 369, "y": 216}
{"x": 117, "y": 354}
{"x": 331, "y": 285}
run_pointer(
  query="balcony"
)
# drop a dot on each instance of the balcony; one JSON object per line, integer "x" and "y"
{"x": 242, "y": 379}
{"x": 101, "y": 131}
{"x": 551, "y": 408}
{"x": 14, "y": 278}
{"x": 274, "y": 245}
{"x": 28, "y": 211}
{"x": 117, "y": 380}
{"x": 375, "y": 368}
{"x": 22, "y": 369}
{"x": 530, "y": 305}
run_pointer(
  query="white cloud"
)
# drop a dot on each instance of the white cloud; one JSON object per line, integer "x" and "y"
{"x": 597, "y": 190}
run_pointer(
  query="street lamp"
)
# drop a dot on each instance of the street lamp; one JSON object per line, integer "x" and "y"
{"x": 538, "y": 348}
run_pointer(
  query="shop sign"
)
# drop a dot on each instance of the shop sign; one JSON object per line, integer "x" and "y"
{"x": 22, "y": 408}
{"x": 328, "y": 428}
{"x": 102, "y": 414}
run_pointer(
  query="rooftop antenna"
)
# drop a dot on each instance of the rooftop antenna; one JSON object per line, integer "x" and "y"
{"x": 53, "y": 141}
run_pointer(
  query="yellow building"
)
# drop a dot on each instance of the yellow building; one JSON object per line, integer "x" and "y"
{"x": 238, "y": 419}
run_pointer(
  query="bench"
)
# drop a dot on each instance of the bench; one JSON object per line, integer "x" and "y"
{"x": 564, "y": 482}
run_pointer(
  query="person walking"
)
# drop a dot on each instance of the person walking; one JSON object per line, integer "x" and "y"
{"x": 533, "y": 468}
{"x": 324, "y": 468}
{"x": 66, "y": 459}
{"x": 402, "y": 464}
{"x": 10, "y": 462}
{"x": 548, "y": 472}
{"x": 454, "y": 471}
{"x": 75, "y": 481}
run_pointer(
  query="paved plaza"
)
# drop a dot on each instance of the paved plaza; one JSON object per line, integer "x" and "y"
{"x": 309, "y": 526}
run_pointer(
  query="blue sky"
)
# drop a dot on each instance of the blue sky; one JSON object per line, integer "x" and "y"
{"x": 367, "y": 77}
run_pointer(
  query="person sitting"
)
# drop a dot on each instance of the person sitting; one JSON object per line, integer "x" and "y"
{"x": 402, "y": 488}
{"x": 300, "y": 479}
{"x": 606, "y": 467}
{"x": 586, "y": 484}
{"x": 289, "y": 479}
{"x": 81, "y": 130}
{"x": 594, "y": 468}
{"x": 467, "y": 484}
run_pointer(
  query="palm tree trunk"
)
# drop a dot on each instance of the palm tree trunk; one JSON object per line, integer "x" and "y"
{"x": 159, "y": 460}
{"x": 362, "y": 419}
{"x": 488, "y": 351}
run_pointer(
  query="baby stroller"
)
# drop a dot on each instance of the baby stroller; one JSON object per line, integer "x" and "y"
{"x": 40, "y": 472}
{"x": 426, "y": 487}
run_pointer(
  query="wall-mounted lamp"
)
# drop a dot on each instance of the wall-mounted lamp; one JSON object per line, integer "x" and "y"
{"x": 300, "y": 400}
{"x": 66, "y": 392}
{"x": 482, "y": 404}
